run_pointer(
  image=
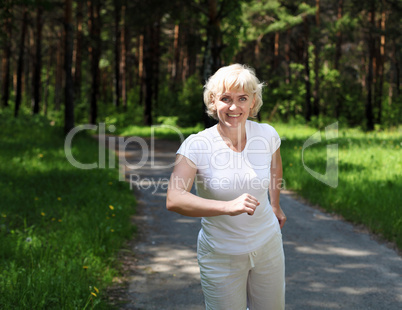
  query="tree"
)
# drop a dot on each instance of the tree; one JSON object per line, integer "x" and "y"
{"x": 7, "y": 17}
{"x": 117, "y": 43}
{"x": 69, "y": 88}
{"x": 37, "y": 70}
{"x": 78, "y": 50}
{"x": 316, "y": 95}
{"x": 20, "y": 64}
{"x": 94, "y": 51}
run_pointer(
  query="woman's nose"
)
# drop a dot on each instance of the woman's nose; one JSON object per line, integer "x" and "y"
{"x": 232, "y": 107}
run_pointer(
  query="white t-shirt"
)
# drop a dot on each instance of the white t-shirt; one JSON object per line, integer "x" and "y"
{"x": 223, "y": 174}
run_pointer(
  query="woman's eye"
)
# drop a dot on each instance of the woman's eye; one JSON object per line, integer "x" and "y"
{"x": 243, "y": 99}
{"x": 225, "y": 99}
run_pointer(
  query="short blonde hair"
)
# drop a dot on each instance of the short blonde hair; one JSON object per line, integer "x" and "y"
{"x": 233, "y": 77}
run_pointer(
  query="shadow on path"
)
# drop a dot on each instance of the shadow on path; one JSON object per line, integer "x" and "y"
{"x": 329, "y": 263}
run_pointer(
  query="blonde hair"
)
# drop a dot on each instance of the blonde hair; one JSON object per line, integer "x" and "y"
{"x": 233, "y": 77}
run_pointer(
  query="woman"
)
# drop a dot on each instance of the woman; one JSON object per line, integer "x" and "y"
{"x": 234, "y": 164}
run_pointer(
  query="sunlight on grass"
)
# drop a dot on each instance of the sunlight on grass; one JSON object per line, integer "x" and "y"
{"x": 370, "y": 182}
{"x": 58, "y": 234}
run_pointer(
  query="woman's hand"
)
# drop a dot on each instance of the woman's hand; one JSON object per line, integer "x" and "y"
{"x": 280, "y": 215}
{"x": 242, "y": 204}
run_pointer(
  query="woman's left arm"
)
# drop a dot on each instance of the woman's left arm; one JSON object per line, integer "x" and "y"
{"x": 275, "y": 185}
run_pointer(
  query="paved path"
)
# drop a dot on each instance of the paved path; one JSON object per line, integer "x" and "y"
{"x": 330, "y": 264}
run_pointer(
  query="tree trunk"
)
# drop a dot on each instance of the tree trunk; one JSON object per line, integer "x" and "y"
{"x": 117, "y": 39}
{"x": 307, "y": 111}
{"x": 316, "y": 92}
{"x": 37, "y": 70}
{"x": 69, "y": 88}
{"x": 78, "y": 52}
{"x": 59, "y": 73}
{"x": 7, "y": 54}
{"x": 46, "y": 86}
{"x": 94, "y": 30}
{"x": 176, "y": 51}
{"x": 276, "y": 52}
{"x": 20, "y": 66}
{"x": 123, "y": 62}
{"x": 287, "y": 57}
{"x": 381, "y": 58}
{"x": 156, "y": 33}
{"x": 148, "y": 77}
{"x": 338, "y": 55}
{"x": 369, "y": 84}
{"x": 141, "y": 67}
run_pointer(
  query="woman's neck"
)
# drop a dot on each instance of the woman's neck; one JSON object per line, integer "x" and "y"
{"x": 235, "y": 137}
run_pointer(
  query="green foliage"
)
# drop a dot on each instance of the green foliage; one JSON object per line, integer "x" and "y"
{"x": 186, "y": 104}
{"x": 369, "y": 186}
{"x": 60, "y": 226}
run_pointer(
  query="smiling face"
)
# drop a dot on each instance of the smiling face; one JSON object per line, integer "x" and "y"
{"x": 233, "y": 107}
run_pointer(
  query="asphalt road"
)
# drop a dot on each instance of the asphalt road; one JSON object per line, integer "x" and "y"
{"x": 330, "y": 264}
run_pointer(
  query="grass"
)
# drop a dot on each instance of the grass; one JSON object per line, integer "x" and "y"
{"x": 60, "y": 226}
{"x": 369, "y": 184}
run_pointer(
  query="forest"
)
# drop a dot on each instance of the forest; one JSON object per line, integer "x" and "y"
{"x": 135, "y": 64}
{"x": 145, "y": 62}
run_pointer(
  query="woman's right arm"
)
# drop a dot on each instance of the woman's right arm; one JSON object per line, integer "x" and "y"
{"x": 180, "y": 200}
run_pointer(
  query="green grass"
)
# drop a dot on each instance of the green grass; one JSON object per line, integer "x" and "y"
{"x": 370, "y": 168}
{"x": 60, "y": 226}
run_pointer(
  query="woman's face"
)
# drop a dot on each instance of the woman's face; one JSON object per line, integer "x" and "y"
{"x": 233, "y": 107}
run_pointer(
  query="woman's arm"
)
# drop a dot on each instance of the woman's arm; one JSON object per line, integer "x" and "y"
{"x": 180, "y": 200}
{"x": 275, "y": 186}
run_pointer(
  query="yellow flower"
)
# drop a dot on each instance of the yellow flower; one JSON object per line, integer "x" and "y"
{"x": 113, "y": 215}
{"x": 3, "y": 215}
{"x": 93, "y": 294}
{"x": 290, "y": 164}
{"x": 112, "y": 230}
{"x": 96, "y": 290}
{"x": 110, "y": 183}
{"x": 53, "y": 219}
{"x": 111, "y": 207}
{"x": 85, "y": 267}
{"x": 40, "y": 155}
{"x": 60, "y": 221}
{"x": 36, "y": 198}
{"x": 42, "y": 213}
{"x": 59, "y": 198}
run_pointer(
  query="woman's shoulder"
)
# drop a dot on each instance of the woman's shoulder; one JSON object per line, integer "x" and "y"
{"x": 262, "y": 128}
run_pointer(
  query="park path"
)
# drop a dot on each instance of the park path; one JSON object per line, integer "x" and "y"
{"x": 330, "y": 264}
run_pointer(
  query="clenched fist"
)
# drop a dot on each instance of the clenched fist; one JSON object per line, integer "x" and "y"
{"x": 242, "y": 204}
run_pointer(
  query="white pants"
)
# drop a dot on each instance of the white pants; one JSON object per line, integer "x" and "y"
{"x": 234, "y": 282}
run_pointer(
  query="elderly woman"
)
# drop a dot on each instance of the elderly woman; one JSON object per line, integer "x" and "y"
{"x": 234, "y": 165}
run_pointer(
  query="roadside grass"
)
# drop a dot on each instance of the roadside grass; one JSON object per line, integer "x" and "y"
{"x": 370, "y": 170}
{"x": 60, "y": 226}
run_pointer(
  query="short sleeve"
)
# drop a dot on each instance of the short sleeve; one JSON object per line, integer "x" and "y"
{"x": 276, "y": 140}
{"x": 273, "y": 138}
{"x": 189, "y": 149}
